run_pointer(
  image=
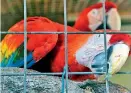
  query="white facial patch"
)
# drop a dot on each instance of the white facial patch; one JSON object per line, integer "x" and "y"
{"x": 95, "y": 26}
{"x": 95, "y": 18}
{"x": 114, "y": 20}
{"x": 90, "y": 49}
{"x": 118, "y": 57}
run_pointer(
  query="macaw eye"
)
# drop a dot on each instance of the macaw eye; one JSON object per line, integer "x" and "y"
{"x": 95, "y": 12}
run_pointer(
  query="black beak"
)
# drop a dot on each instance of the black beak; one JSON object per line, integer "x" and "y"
{"x": 102, "y": 25}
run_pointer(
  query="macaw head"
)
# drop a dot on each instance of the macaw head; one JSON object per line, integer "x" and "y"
{"x": 121, "y": 49}
{"x": 118, "y": 50}
{"x": 91, "y": 18}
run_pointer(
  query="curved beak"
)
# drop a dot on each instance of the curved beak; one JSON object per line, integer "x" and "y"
{"x": 113, "y": 20}
{"x": 116, "y": 55}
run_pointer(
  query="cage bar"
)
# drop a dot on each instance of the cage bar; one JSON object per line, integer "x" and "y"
{"x": 25, "y": 45}
{"x": 60, "y": 73}
{"x": 105, "y": 46}
{"x": 66, "y": 45}
{"x": 54, "y": 32}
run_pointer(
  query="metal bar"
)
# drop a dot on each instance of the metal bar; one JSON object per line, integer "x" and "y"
{"x": 66, "y": 45}
{"x": 25, "y": 44}
{"x": 60, "y": 73}
{"x": 124, "y": 32}
{"x": 0, "y": 50}
{"x": 123, "y": 73}
{"x": 54, "y": 32}
{"x": 63, "y": 80}
{"x": 84, "y": 73}
{"x": 33, "y": 74}
{"x": 105, "y": 46}
{"x": 32, "y": 32}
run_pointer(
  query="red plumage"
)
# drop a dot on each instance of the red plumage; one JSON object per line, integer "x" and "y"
{"x": 82, "y": 22}
{"x": 42, "y": 44}
{"x": 39, "y": 44}
{"x": 121, "y": 37}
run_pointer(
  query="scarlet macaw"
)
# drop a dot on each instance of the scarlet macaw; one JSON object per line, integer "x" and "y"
{"x": 85, "y": 51}
{"x": 91, "y": 18}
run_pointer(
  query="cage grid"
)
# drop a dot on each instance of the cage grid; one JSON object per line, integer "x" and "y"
{"x": 65, "y": 72}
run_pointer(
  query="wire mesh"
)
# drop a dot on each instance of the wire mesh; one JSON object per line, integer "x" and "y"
{"x": 65, "y": 72}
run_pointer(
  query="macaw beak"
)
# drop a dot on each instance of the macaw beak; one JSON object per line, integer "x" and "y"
{"x": 113, "y": 20}
{"x": 116, "y": 56}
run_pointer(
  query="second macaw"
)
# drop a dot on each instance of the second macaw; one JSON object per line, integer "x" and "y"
{"x": 91, "y": 18}
{"x": 85, "y": 51}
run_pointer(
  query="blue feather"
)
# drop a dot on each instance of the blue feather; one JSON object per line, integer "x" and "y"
{"x": 29, "y": 57}
{"x": 30, "y": 63}
{"x": 20, "y": 62}
{"x": 2, "y": 64}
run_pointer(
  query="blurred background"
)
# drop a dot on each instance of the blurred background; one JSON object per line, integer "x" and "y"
{"x": 12, "y": 12}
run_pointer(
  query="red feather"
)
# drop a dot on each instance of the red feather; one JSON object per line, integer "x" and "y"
{"x": 126, "y": 38}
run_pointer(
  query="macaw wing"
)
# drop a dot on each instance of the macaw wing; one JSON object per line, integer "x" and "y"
{"x": 12, "y": 50}
{"x": 38, "y": 45}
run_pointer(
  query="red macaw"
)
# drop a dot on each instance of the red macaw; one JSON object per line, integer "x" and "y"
{"x": 85, "y": 51}
{"x": 91, "y": 18}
